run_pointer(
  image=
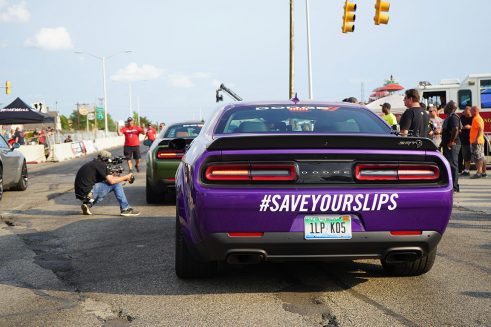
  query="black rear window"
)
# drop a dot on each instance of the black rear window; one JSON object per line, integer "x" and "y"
{"x": 300, "y": 119}
{"x": 182, "y": 130}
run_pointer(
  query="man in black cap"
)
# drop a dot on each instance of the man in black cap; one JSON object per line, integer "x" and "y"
{"x": 93, "y": 183}
{"x": 389, "y": 117}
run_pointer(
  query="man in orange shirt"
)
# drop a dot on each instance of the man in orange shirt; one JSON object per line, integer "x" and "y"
{"x": 477, "y": 142}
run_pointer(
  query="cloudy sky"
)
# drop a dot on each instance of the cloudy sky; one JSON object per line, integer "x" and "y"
{"x": 182, "y": 50}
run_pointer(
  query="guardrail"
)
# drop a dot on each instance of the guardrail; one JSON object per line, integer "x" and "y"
{"x": 38, "y": 153}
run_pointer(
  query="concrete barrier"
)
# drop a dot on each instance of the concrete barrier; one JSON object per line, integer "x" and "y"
{"x": 33, "y": 153}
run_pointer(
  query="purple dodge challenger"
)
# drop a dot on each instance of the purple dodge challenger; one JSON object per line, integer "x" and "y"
{"x": 277, "y": 181}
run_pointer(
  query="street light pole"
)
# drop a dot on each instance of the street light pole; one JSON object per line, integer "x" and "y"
{"x": 103, "y": 59}
{"x": 105, "y": 94}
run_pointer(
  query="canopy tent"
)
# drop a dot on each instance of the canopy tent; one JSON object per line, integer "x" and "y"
{"x": 18, "y": 112}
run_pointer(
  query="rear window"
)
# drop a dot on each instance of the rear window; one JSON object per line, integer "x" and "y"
{"x": 182, "y": 130}
{"x": 300, "y": 119}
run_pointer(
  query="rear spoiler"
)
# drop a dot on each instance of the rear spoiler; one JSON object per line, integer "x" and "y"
{"x": 377, "y": 142}
{"x": 167, "y": 141}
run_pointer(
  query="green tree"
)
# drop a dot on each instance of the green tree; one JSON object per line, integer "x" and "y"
{"x": 65, "y": 126}
{"x": 79, "y": 122}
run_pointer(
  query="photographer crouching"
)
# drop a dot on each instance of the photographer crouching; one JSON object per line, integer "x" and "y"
{"x": 99, "y": 177}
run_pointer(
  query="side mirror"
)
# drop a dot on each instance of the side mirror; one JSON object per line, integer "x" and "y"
{"x": 15, "y": 146}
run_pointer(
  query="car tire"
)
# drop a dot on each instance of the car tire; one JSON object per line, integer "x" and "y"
{"x": 411, "y": 268}
{"x": 23, "y": 179}
{"x": 186, "y": 265}
{"x": 1, "y": 182}
{"x": 153, "y": 196}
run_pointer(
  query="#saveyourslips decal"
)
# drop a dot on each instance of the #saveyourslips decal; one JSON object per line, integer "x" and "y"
{"x": 328, "y": 202}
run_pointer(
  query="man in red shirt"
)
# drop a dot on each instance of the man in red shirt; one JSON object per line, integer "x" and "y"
{"x": 149, "y": 135}
{"x": 131, "y": 150}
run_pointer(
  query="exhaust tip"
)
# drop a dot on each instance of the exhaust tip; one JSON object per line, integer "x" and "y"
{"x": 403, "y": 256}
{"x": 245, "y": 258}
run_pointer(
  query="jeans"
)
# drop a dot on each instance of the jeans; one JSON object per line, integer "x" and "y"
{"x": 452, "y": 157}
{"x": 101, "y": 189}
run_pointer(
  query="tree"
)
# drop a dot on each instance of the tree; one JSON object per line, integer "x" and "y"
{"x": 79, "y": 122}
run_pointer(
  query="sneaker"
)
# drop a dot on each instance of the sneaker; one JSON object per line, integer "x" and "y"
{"x": 465, "y": 173}
{"x": 475, "y": 176}
{"x": 484, "y": 175}
{"x": 130, "y": 212}
{"x": 86, "y": 209}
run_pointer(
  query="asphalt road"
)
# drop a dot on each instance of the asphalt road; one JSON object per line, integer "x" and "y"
{"x": 60, "y": 268}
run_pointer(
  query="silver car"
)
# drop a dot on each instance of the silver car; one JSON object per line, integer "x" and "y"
{"x": 13, "y": 168}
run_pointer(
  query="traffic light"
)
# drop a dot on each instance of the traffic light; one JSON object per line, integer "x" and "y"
{"x": 349, "y": 17}
{"x": 381, "y": 8}
{"x": 7, "y": 87}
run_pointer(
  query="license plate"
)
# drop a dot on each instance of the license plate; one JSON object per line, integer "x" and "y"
{"x": 327, "y": 227}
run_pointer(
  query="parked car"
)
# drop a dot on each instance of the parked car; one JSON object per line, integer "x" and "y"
{"x": 276, "y": 181}
{"x": 163, "y": 160}
{"x": 13, "y": 168}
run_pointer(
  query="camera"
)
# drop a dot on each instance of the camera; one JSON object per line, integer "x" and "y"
{"x": 115, "y": 167}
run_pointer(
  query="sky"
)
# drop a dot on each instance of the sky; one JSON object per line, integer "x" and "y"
{"x": 181, "y": 51}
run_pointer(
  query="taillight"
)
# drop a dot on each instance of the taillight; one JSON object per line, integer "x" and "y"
{"x": 169, "y": 154}
{"x": 251, "y": 172}
{"x": 406, "y": 232}
{"x": 395, "y": 172}
{"x": 259, "y": 234}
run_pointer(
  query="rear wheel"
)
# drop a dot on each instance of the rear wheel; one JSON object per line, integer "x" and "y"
{"x": 411, "y": 268}
{"x": 23, "y": 179}
{"x": 186, "y": 265}
{"x": 153, "y": 195}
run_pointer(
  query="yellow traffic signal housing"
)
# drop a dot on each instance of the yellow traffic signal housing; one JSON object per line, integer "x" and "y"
{"x": 381, "y": 7}
{"x": 349, "y": 17}
{"x": 7, "y": 87}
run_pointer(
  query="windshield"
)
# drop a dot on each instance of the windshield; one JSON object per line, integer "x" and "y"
{"x": 182, "y": 130}
{"x": 296, "y": 119}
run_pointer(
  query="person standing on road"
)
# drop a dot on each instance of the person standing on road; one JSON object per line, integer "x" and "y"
{"x": 466, "y": 121}
{"x": 388, "y": 116}
{"x": 19, "y": 136}
{"x": 93, "y": 182}
{"x": 451, "y": 141}
{"x": 476, "y": 137}
{"x": 149, "y": 135}
{"x": 131, "y": 149}
{"x": 415, "y": 118}
{"x": 435, "y": 126}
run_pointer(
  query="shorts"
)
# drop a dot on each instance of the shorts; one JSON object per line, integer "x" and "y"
{"x": 466, "y": 152}
{"x": 477, "y": 152}
{"x": 132, "y": 152}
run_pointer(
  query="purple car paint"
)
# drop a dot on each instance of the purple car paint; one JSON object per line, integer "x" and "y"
{"x": 308, "y": 181}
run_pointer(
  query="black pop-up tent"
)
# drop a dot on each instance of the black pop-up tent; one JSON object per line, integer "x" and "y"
{"x": 18, "y": 112}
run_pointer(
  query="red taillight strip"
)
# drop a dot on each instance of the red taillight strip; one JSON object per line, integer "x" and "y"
{"x": 169, "y": 154}
{"x": 405, "y": 232}
{"x": 253, "y": 172}
{"x": 245, "y": 234}
{"x": 375, "y": 172}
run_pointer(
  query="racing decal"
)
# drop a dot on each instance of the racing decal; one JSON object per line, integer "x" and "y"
{"x": 328, "y": 202}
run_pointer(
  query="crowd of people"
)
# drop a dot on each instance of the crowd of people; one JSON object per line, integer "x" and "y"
{"x": 459, "y": 138}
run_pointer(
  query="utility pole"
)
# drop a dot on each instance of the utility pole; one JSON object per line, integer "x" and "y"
{"x": 292, "y": 39}
{"x": 309, "y": 56}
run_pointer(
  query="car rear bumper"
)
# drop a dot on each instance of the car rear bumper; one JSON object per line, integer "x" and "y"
{"x": 287, "y": 246}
